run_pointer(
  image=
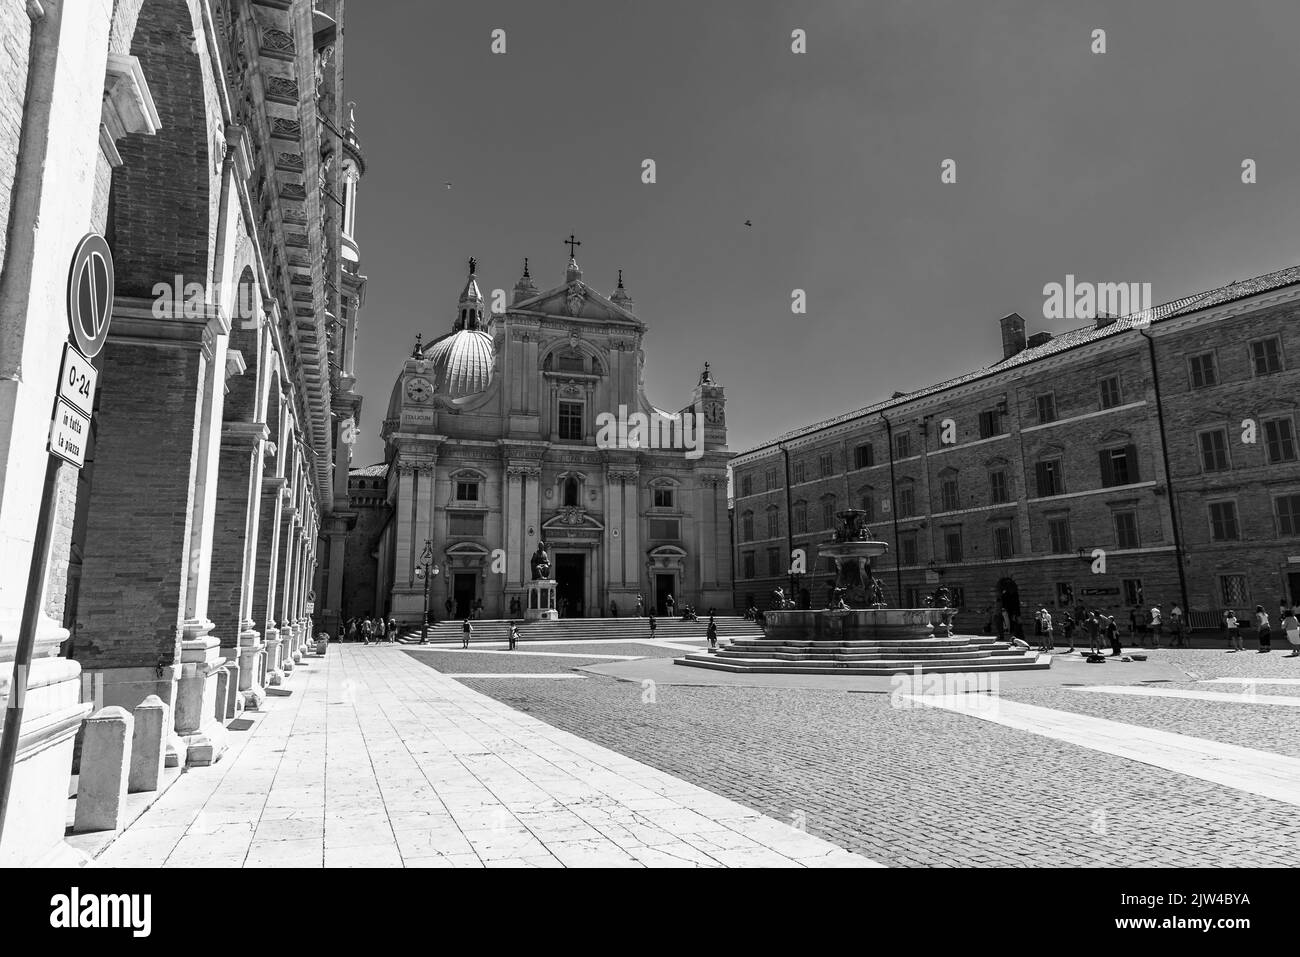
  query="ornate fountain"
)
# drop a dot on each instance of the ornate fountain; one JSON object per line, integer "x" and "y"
{"x": 856, "y": 633}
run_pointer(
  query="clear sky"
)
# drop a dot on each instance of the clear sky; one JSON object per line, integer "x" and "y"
{"x": 1115, "y": 167}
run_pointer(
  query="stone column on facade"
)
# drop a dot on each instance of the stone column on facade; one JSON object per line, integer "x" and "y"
{"x": 404, "y": 533}
{"x": 634, "y": 562}
{"x": 512, "y": 533}
{"x": 533, "y": 508}
{"x": 289, "y": 522}
{"x": 266, "y": 579}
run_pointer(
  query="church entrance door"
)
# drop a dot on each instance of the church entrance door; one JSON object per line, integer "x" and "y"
{"x": 664, "y": 588}
{"x": 464, "y": 592}
{"x": 571, "y": 583}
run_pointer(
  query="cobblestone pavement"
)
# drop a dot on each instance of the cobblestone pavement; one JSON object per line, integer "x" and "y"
{"x": 368, "y": 758}
{"x": 922, "y": 786}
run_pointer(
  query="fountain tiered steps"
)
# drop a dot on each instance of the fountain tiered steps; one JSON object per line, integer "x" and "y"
{"x": 956, "y": 653}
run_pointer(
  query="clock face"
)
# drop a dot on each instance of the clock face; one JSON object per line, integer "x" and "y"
{"x": 713, "y": 412}
{"x": 419, "y": 390}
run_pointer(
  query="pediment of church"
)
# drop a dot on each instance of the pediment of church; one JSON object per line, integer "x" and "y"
{"x": 572, "y": 518}
{"x": 576, "y": 300}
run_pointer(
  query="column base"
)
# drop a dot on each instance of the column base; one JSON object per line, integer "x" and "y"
{"x": 196, "y": 698}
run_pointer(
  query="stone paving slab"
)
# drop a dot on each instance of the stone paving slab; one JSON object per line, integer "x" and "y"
{"x": 377, "y": 760}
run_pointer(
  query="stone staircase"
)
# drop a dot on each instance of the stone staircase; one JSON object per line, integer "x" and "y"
{"x": 580, "y": 629}
{"x": 956, "y": 653}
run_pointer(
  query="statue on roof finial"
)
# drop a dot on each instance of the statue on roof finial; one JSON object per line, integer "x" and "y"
{"x": 473, "y": 265}
{"x": 419, "y": 346}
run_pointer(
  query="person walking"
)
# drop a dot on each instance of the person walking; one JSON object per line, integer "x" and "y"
{"x": 1264, "y": 630}
{"x": 712, "y": 632}
{"x": 392, "y": 631}
{"x": 613, "y": 608}
{"x": 652, "y": 624}
{"x": 1233, "y": 626}
{"x": 1045, "y": 624}
{"x": 1157, "y": 626}
{"x": 465, "y": 632}
{"x": 514, "y": 635}
{"x": 1178, "y": 635}
{"x": 1094, "y": 624}
{"x": 1291, "y": 627}
{"x": 671, "y": 606}
{"x": 1038, "y": 628}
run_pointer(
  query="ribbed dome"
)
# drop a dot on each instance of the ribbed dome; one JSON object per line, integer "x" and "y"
{"x": 462, "y": 362}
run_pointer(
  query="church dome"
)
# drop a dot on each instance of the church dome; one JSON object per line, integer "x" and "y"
{"x": 462, "y": 362}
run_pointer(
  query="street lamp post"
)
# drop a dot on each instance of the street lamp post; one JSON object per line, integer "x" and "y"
{"x": 426, "y": 571}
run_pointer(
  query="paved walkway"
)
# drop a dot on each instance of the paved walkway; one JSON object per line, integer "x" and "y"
{"x": 373, "y": 759}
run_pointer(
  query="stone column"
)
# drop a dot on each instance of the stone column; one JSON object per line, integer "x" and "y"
{"x": 267, "y": 573}
{"x": 512, "y": 533}
{"x": 288, "y": 516}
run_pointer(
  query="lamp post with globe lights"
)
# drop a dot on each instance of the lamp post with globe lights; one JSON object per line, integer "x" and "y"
{"x": 426, "y": 570}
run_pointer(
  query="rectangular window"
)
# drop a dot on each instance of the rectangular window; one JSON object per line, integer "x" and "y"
{"x": 827, "y": 463}
{"x": 1058, "y": 532}
{"x": 1214, "y": 450}
{"x": 798, "y": 472}
{"x": 463, "y": 523}
{"x": 864, "y": 456}
{"x": 773, "y": 523}
{"x": 663, "y": 498}
{"x": 1109, "y": 389}
{"x": 1119, "y": 466}
{"x": 1202, "y": 371}
{"x": 1126, "y": 528}
{"x": 1048, "y": 476}
{"x": 666, "y": 529}
{"x": 747, "y": 485}
{"x": 1223, "y": 521}
{"x": 1133, "y": 592}
{"x": 1002, "y": 547}
{"x": 747, "y": 565}
{"x": 907, "y": 550}
{"x": 951, "y": 496}
{"x": 868, "y": 505}
{"x": 1288, "y": 514}
{"x": 570, "y": 364}
{"x": 774, "y": 562}
{"x": 998, "y": 487}
{"x": 571, "y": 420}
{"x": 952, "y": 544}
{"x": 747, "y": 527}
{"x": 1279, "y": 439}
{"x": 467, "y": 491}
{"x": 902, "y": 445}
{"x": 990, "y": 423}
{"x": 1047, "y": 407}
{"x": 828, "y": 513}
{"x": 800, "y": 518}
{"x": 770, "y": 478}
{"x": 906, "y": 501}
{"x": 1233, "y": 589}
{"x": 1266, "y": 355}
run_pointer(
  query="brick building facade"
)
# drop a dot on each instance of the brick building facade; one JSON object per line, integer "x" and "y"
{"x": 208, "y": 142}
{"x": 1135, "y": 461}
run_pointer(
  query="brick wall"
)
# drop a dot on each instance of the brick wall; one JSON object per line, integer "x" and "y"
{"x": 138, "y": 522}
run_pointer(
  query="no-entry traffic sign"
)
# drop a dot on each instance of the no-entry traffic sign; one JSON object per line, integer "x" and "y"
{"x": 90, "y": 294}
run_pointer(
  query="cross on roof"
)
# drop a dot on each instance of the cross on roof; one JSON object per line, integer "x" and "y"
{"x": 571, "y": 242}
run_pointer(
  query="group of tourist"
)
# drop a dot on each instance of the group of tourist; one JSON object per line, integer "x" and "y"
{"x": 1098, "y": 624}
{"x": 369, "y": 630}
{"x": 1287, "y": 619}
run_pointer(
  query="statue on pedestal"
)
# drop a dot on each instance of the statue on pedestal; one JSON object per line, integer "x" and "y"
{"x": 877, "y": 593}
{"x": 541, "y": 563}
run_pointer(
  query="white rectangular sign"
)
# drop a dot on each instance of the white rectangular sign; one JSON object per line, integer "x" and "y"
{"x": 311, "y": 607}
{"x": 77, "y": 380}
{"x": 69, "y": 434}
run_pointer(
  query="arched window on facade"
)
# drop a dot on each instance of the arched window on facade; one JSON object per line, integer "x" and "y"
{"x": 571, "y": 491}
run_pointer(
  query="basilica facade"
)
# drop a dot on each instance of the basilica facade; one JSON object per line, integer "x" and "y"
{"x": 532, "y": 425}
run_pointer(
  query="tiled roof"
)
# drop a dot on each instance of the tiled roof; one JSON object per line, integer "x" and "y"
{"x": 370, "y": 471}
{"x": 1067, "y": 340}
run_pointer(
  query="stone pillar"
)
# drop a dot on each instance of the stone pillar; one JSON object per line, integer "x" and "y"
{"x": 266, "y": 578}
{"x": 152, "y": 722}
{"x": 289, "y": 547}
{"x": 513, "y": 533}
{"x": 407, "y": 552}
{"x": 105, "y": 766}
{"x": 196, "y": 697}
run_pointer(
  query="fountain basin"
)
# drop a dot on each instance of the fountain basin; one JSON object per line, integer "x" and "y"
{"x": 857, "y": 624}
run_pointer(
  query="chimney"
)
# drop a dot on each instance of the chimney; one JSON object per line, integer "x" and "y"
{"x": 1013, "y": 335}
{"x": 1039, "y": 339}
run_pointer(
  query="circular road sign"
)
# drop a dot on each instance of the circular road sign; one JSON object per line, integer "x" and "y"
{"x": 90, "y": 294}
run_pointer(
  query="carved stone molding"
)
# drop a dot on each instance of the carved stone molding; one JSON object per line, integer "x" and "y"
{"x": 623, "y": 475}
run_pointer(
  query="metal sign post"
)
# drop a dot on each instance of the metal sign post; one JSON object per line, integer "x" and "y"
{"x": 90, "y": 307}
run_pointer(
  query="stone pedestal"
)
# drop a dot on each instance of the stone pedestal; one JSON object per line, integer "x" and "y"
{"x": 38, "y": 793}
{"x": 149, "y": 744}
{"x": 105, "y": 767}
{"x": 250, "y": 668}
{"x": 541, "y": 602}
{"x": 196, "y": 696}
{"x": 274, "y": 674}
